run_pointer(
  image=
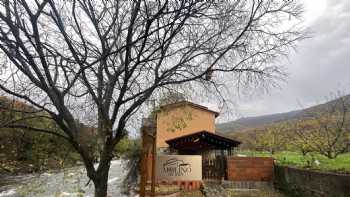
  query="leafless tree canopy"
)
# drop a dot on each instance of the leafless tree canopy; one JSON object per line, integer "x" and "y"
{"x": 327, "y": 131}
{"x": 83, "y": 59}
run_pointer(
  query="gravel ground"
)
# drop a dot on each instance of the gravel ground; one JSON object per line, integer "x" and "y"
{"x": 217, "y": 190}
{"x": 254, "y": 193}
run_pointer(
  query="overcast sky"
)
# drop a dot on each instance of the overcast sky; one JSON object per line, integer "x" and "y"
{"x": 318, "y": 67}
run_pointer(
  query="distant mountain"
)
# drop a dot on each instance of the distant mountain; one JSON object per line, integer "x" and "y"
{"x": 256, "y": 121}
{"x": 259, "y": 121}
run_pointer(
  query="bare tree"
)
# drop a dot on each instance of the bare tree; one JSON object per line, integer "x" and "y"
{"x": 98, "y": 61}
{"x": 273, "y": 138}
{"x": 327, "y": 129}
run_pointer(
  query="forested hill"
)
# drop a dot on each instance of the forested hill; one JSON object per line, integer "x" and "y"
{"x": 25, "y": 151}
{"x": 259, "y": 121}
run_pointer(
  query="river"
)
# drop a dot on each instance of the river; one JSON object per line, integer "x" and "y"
{"x": 66, "y": 183}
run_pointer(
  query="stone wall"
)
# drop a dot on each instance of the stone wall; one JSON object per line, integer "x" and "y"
{"x": 300, "y": 182}
{"x": 250, "y": 168}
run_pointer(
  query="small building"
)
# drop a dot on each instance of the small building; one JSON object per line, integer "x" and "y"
{"x": 189, "y": 151}
{"x": 186, "y": 128}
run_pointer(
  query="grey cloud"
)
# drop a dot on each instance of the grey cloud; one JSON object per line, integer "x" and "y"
{"x": 318, "y": 67}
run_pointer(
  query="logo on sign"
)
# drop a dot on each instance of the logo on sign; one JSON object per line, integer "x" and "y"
{"x": 176, "y": 167}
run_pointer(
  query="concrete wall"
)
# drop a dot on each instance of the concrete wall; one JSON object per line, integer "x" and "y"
{"x": 250, "y": 168}
{"x": 300, "y": 182}
{"x": 182, "y": 120}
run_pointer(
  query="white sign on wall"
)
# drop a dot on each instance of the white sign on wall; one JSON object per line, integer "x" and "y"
{"x": 179, "y": 167}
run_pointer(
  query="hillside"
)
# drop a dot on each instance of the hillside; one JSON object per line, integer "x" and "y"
{"x": 256, "y": 121}
{"x": 23, "y": 151}
{"x": 259, "y": 121}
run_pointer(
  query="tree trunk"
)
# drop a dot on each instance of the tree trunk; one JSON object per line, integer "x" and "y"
{"x": 304, "y": 152}
{"x": 101, "y": 175}
{"x": 101, "y": 183}
{"x": 100, "y": 188}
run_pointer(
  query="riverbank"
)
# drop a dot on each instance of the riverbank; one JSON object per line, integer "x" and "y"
{"x": 67, "y": 182}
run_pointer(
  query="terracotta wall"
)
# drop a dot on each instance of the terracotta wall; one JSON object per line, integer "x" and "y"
{"x": 149, "y": 167}
{"x": 250, "y": 168}
{"x": 182, "y": 120}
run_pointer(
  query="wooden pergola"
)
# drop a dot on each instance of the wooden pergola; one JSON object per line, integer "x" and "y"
{"x": 202, "y": 140}
{"x": 213, "y": 147}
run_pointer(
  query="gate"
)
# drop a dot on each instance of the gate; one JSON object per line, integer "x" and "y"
{"x": 214, "y": 168}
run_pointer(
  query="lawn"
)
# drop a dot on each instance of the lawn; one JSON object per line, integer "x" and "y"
{"x": 313, "y": 161}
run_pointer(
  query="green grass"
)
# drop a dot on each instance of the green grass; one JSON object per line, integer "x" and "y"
{"x": 340, "y": 164}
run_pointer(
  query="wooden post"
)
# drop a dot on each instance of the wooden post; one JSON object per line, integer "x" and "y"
{"x": 223, "y": 169}
{"x": 154, "y": 151}
{"x": 144, "y": 159}
{"x": 148, "y": 143}
{"x": 143, "y": 173}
